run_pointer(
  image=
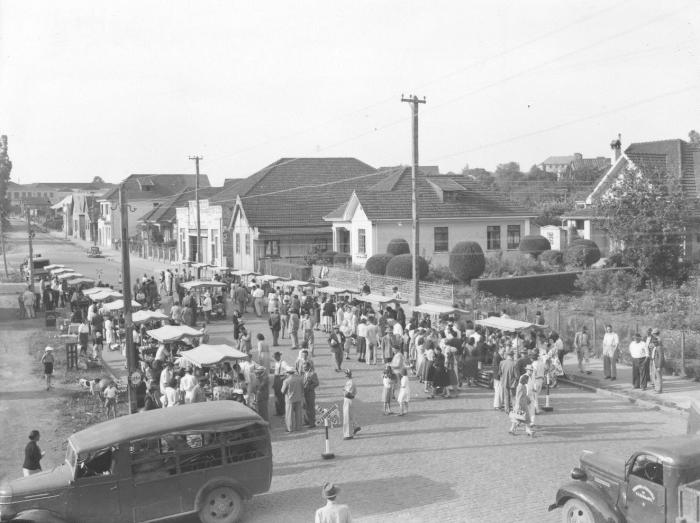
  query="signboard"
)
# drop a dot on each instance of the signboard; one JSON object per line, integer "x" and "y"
{"x": 331, "y": 413}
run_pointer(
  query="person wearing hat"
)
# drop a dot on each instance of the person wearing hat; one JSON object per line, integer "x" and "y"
{"x": 336, "y": 342}
{"x": 582, "y": 344}
{"x": 262, "y": 391}
{"x": 187, "y": 384}
{"x": 332, "y": 512}
{"x": 349, "y": 393}
{"x": 293, "y": 390}
{"x": 656, "y": 360}
{"x": 611, "y": 344}
{"x": 509, "y": 379}
{"x": 640, "y": 362}
{"x": 48, "y": 360}
{"x": 275, "y": 323}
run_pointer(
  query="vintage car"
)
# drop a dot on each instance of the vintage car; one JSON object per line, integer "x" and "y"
{"x": 660, "y": 483}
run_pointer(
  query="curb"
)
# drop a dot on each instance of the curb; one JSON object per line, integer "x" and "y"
{"x": 640, "y": 402}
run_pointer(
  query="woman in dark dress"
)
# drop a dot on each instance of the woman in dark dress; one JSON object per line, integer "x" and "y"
{"x": 32, "y": 455}
{"x": 440, "y": 377}
{"x": 470, "y": 363}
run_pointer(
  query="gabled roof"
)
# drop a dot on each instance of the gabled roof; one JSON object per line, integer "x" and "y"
{"x": 167, "y": 210}
{"x": 152, "y": 186}
{"x": 392, "y": 201}
{"x": 297, "y": 192}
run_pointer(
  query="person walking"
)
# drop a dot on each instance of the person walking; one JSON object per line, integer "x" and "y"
{"x": 293, "y": 390}
{"x": 48, "y": 360}
{"x": 582, "y": 344}
{"x": 307, "y": 326}
{"x": 387, "y": 389}
{"x": 336, "y": 342}
{"x": 262, "y": 394}
{"x": 310, "y": 382}
{"x": 275, "y": 323}
{"x": 332, "y": 512}
{"x": 28, "y": 299}
{"x": 521, "y": 410}
{"x": 263, "y": 352}
{"x": 640, "y": 358}
{"x": 497, "y": 390}
{"x": 350, "y": 428}
{"x": 509, "y": 380}
{"x": 611, "y": 346}
{"x": 404, "y": 392}
{"x": 279, "y": 371}
{"x": 294, "y": 326}
{"x": 110, "y": 395}
{"x": 32, "y": 455}
{"x": 258, "y": 299}
{"x": 656, "y": 360}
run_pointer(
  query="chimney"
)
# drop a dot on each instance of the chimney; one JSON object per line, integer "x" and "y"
{"x": 616, "y": 146}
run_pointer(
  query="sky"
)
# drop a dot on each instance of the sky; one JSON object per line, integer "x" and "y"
{"x": 95, "y": 88}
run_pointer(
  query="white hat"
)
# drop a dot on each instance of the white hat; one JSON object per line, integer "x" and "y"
{"x": 48, "y": 348}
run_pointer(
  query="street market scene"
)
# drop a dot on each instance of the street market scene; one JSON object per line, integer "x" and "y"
{"x": 312, "y": 338}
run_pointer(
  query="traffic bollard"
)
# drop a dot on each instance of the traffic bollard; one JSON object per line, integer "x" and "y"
{"x": 328, "y": 454}
{"x": 547, "y": 407}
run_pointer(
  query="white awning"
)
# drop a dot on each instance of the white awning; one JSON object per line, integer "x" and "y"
{"x": 66, "y": 201}
{"x": 207, "y": 355}
{"x": 170, "y": 333}
{"x": 435, "y": 308}
{"x": 504, "y": 324}
{"x": 146, "y": 315}
{"x": 379, "y": 299}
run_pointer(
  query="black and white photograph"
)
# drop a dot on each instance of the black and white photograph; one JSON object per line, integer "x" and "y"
{"x": 350, "y": 261}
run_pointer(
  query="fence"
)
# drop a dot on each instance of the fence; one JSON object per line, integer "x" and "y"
{"x": 429, "y": 292}
{"x": 154, "y": 252}
{"x": 682, "y": 346}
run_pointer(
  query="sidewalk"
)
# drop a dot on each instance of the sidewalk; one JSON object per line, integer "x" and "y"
{"x": 676, "y": 397}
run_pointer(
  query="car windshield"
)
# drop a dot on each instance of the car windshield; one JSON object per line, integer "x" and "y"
{"x": 70, "y": 456}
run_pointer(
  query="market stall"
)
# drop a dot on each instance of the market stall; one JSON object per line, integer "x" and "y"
{"x": 118, "y": 305}
{"x": 68, "y": 275}
{"x": 201, "y": 284}
{"x": 102, "y": 294}
{"x": 172, "y": 333}
{"x": 505, "y": 324}
{"x": 54, "y": 266}
{"x": 145, "y": 316}
{"x": 62, "y": 270}
{"x": 206, "y": 355}
{"x": 329, "y": 289}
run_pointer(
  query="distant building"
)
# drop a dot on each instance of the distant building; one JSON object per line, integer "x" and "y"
{"x": 567, "y": 166}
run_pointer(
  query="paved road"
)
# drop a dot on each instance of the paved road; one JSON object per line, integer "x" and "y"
{"x": 448, "y": 460}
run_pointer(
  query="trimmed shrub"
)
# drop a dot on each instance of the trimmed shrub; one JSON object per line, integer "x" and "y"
{"x": 552, "y": 257}
{"x": 467, "y": 261}
{"x": 398, "y": 246}
{"x": 582, "y": 253}
{"x": 401, "y": 266}
{"x": 377, "y": 264}
{"x": 534, "y": 245}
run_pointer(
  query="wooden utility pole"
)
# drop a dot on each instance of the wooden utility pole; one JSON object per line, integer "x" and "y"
{"x": 414, "y": 101}
{"x": 2, "y": 242}
{"x": 30, "y": 265}
{"x": 196, "y": 197}
{"x": 126, "y": 292}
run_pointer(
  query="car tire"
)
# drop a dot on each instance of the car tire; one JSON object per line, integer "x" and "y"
{"x": 221, "y": 504}
{"x": 577, "y": 511}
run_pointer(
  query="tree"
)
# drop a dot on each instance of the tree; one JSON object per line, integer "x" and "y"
{"x": 480, "y": 175}
{"x": 467, "y": 260}
{"x": 98, "y": 179}
{"x": 646, "y": 214}
{"x": 5, "y": 170}
{"x": 510, "y": 170}
{"x": 694, "y": 136}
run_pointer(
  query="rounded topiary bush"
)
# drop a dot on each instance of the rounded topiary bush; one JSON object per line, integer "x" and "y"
{"x": 398, "y": 246}
{"x": 552, "y": 257}
{"x": 377, "y": 264}
{"x": 582, "y": 253}
{"x": 534, "y": 245}
{"x": 401, "y": 266}
{"x": 467, "y": 260}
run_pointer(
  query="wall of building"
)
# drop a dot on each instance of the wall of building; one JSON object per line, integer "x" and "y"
{"x": 361, "y": 222}
{"x": 211, "y": 232}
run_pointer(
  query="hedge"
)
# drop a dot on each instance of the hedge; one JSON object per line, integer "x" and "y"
{"x": 552, "y": 257}
{"x": 528, "y": 286}
{"x": 398, "y": 246}
{"x": 534, "y": 245}
{"x": 467, "y": 260}
{"x": 377, "y": 264}
{"x": 582, "y": 253}
{"x": 401, "y": 266}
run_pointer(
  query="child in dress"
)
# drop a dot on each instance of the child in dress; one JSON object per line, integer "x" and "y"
{"x": 404, "y": 392}
{"x": 388, "y": 380}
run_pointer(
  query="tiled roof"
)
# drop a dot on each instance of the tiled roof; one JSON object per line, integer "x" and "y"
{"x": 162, "y": 185}
{"x": 590, "y": 163}
{"x": 166, "y": 211}
{"x": 473, "y": 201}
{"x": 288, "y": 173}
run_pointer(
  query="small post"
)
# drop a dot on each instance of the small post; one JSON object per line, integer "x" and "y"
{"x": 547, "y": 407}
{"x": 683, "y": 354}
{"x": 328, "y": 454}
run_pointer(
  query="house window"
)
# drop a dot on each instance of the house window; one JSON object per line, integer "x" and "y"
{"x": 442, "y": 243}
{"x": 361, "y": 242}
{"x": 513, "y": 237}
{"x": 238, "y": 243}
{"x": 579, "y": 225}
{"x": 493, "y": 237}
{"x": 272, "y": 248}
{"x": 247, "y": 243}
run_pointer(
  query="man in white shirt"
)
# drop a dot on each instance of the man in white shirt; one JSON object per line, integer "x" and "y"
{"x": 279, "y": 373}
{"x": 640, "y": 362}
{"x": 332, "y": 512}
{"x": 187, "y": 385}
{"x": 362, "y": 340}
{"x": 258, "y": 295}
{"x": 611, "y": 343}
{"x": 206, "y": 307}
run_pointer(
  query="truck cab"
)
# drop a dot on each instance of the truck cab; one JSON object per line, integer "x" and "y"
{"x": 656, "y": 484}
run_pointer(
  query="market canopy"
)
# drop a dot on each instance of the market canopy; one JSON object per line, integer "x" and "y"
{"x": 378, "y": 298}
{"x": 103, "y": 294}
{"x": 118, "y": 305}
{"x": 208, "y": 355}
{"x": 69, "y": 275}
{"x": 329, "y": 289}
{"x": 268, "y": 277}
{"x": 95, "y": 290}
{"x": 196, "y": 284}
{"x": 296, "y": 283}
{"x": 147, "y": 315}
{"x": 54, "y": 266}
{"x": 504, "y": 324}
{"x": 170, "y": 333}
{"x": 62, "y": 270}
{"x": 434, "y": 308}
{"x": 244, "y": 273}
{"x": 80, "y": 281}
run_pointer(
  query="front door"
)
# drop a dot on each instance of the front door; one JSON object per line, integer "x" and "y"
{"x": 646, "y": 495}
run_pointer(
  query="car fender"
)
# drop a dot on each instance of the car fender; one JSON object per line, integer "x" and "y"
{"x": 218, "y": 482}
{"x": 598, "y": 502}
{"x": 38, "y": 516}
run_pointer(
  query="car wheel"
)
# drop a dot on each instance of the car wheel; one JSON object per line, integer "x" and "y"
{"x": 221, "y": 504}
{"x": 576, "y": 511}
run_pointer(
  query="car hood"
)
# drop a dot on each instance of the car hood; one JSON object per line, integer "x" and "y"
{"x": 606, "y": 465}
{"x": 32, "y": 487}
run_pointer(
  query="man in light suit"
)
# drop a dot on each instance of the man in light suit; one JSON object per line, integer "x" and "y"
{"x": 332, "y": 512}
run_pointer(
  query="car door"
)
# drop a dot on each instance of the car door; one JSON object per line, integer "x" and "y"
{"x": 95, "y": 493}
{"x": 646, "y": 494}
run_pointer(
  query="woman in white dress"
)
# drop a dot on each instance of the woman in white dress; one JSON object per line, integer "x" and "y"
{"x": 349, "y": 391}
